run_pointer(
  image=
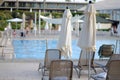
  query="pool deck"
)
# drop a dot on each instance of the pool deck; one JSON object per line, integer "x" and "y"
{"x": 11, "y": 69}
{"x": 27, "y": 70}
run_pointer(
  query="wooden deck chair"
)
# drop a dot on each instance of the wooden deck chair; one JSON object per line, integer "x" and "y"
{"x": 51, "y": 54}
{"x": 113, "y": 72}
{"x": 84, "y": 62}
{"x": 61, "y": 70}
{"x": 106, "y": 50}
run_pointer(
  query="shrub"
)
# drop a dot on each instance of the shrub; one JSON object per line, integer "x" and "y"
{"x": 3, "y": 24}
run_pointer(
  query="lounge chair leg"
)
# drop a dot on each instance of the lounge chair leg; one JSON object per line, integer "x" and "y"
{"x": 39, "y": 67}
{"x": 78, "y": 71}
{"x": 94, "y": 70}
{"x": 42, "y": 78}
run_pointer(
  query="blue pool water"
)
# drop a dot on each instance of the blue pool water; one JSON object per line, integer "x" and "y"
{"x": 35, "y": 49}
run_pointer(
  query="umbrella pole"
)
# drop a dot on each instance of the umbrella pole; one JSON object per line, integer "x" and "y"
{"x": 16, "y": 25}
{"x": 46, "y": 44}
{"x": 39, "y": 22}
{"x": 89, "y": 72}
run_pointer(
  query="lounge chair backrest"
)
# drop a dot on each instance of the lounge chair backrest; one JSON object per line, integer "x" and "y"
{"x": 113, "y": 70}
{"x": 106, "y": 50}
{"x": 84, "y": 59}
{"x": 51, "y": 54}
{"x": 61, "y": 70}
{"x": 113, "y": 57}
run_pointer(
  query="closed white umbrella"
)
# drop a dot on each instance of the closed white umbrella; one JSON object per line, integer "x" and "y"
{"x": 9, "y": 26}
{"x": 59, "y": 28}
{"x": 9, "y": 29}
{"x": 35, "y": 26}
{"x": 39, "y": 26}
{"x": 50, "y": 24}
{"x": 64, "y": 42}
{"x": 98, "y": 25}
{"x": 46, "y": 26}
{"x": 87, "y": 36}
{"x": 23, "y": 22}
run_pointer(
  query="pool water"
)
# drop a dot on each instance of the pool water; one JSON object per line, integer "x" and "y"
{"x": 35, "y": 49}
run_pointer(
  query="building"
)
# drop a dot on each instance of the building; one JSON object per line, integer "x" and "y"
{"x": 111, "y": 7}
{"x": 39, "y": 5}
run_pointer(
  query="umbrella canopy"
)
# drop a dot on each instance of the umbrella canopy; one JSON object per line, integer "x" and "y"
{"x": 99, "y": 26}
{"x": 46, "y": 26}
{"x": 50, "y": 24}
{"x": 9, "y": 29}
{"x": 23, "y": 20}
{"x": 88, "y": 32}
{"x": 115, "y": 4}
{"x": 87, "y": 36}
{"x": 15, "y": 20}
{"x": 9, "y": 26}
{"x": 64, "y": 42}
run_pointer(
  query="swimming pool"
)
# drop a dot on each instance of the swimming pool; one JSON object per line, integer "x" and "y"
{"x": 35, "y": 49}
